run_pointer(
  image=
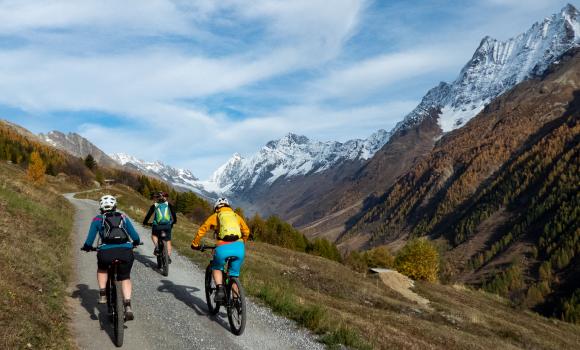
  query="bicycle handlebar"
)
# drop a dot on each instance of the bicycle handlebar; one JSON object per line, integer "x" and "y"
{"x": 94, "y": 249}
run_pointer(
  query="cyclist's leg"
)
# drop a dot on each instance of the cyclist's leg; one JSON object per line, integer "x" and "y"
{"x": 103, "y": 262}
{"x": 124, "y": 275}
{"x": 124, "y": 271}
{"x": 168, "y": 241}
{"x": 102, "y": 278}
{"x": 217, "y": 266}
{"x": 155, "y": 239}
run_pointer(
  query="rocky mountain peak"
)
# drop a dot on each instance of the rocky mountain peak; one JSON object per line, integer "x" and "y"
{"x": 76, "y": 145}
{"x": 495, "y": 67}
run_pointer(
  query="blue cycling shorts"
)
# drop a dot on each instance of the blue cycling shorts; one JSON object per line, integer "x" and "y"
{"x": 224, "y": 251}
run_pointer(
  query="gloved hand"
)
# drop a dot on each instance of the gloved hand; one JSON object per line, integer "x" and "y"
{"x": 86, "y": 248}
{"x": 136, "y": 243}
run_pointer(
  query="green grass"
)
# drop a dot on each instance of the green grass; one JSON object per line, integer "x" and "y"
{"x": 35, "y": 263}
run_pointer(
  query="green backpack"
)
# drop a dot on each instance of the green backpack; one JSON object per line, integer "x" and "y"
{"x": 162, "y": 214}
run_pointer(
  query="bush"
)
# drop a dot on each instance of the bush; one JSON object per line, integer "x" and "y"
{"x": 380, "y": 257}
{"x": 324, "y": 248}
{"x": 418, "y": 260}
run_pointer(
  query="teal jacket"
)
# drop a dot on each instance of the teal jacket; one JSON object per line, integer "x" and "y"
{"x": 98, "y": 227}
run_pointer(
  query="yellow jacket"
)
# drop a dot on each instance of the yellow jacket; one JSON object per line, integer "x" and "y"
{"x": 212, "y": 224}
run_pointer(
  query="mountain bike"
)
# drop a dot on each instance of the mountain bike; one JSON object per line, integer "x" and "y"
{"x": 162, "y": 255}
{"x": 235, "y": 303}
{"x": 115, "y": 305}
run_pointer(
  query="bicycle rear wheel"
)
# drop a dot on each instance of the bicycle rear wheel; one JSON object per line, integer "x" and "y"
{"x": 159, "y": 250}
{"x": 118, "y": 314}
{"x": 236, "y": 306}
{"x": 165, "y": 261}
{"x": 210, "y": 289}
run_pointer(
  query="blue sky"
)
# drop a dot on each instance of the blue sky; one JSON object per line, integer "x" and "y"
{"x": 191, "y": 82}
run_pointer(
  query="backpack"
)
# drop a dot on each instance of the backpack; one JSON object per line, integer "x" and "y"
{"x": 115, "y": 232}
{"x": 229, "y": 226}
{"x": 162, "y": 214}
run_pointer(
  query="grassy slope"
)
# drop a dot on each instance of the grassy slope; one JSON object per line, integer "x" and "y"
{"x": 35, "y": 262}
{"x": 348, "y": 307}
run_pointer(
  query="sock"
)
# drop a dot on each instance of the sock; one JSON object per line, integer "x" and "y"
{"x": 102, "y": 292}
{"x": 127, "y": 302}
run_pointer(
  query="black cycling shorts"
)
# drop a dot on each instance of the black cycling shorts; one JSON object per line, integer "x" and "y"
{"x": 105, "y": 258}
{"x": 157, "y": 232}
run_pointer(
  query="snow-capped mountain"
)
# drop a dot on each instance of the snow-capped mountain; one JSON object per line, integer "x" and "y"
{"x": 292, "y": 155}
{"x": 76, "y": 145}
{"x": 178, "y": 177}
{"x": 497, "y": 66}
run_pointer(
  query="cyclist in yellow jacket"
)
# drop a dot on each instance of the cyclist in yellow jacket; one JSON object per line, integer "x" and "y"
{"x": 232, "y": 233}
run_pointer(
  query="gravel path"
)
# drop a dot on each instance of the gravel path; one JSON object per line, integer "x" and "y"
{"x": 170, "y": 312}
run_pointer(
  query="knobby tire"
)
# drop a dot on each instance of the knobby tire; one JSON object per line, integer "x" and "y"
{"x": 210, "y": 289}
{"x": 237, "y": 306}
{"x": 119, "y": 315}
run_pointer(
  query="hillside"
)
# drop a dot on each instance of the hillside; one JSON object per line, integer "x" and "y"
{"x": 357, "y": 309}
{"x": 35, "y": 261}
{"x": 500, "y": 190}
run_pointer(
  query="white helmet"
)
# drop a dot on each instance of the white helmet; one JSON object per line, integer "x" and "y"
{"x": 108, "y": 202}
{"x": 220, "y": 202}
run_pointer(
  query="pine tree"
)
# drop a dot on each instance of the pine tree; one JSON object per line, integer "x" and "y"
{"x": 90, "y": 162}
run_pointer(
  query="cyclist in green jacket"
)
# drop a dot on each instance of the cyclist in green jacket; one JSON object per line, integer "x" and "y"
{"x": 164, "y": 217}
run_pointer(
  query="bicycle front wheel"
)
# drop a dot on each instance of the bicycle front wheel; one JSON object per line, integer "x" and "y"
{"x": 118, "y": 315}
{"x": 210, "y": 289}
{"x": 236, "y": 306}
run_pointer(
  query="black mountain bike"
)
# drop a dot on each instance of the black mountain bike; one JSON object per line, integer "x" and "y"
{"x": 115, "y": 305}
{"x": 235, "y": 303}
{"x": 162, "y": 255}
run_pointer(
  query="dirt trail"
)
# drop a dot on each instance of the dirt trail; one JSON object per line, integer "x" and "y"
{"x": 170, "y": 312}
{"x": 402, "y": 285}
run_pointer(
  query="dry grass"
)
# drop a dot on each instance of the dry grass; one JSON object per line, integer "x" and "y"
{"x": 35, "y": 263}
{"x": 360, "y": 311}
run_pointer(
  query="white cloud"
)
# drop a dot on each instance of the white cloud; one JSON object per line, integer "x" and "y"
{"x": 152, "y": 16}
{"x": 375, "y": 74}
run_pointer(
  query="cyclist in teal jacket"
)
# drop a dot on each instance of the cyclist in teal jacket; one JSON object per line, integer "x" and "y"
{"x": 108, "y": 251}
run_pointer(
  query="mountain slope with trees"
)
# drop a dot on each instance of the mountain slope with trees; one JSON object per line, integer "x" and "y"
{"x": 503, "y": 191}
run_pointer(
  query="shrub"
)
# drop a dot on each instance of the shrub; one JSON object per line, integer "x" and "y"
{"x": 418, "y": 260}
{"x": 380, "y": 257}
